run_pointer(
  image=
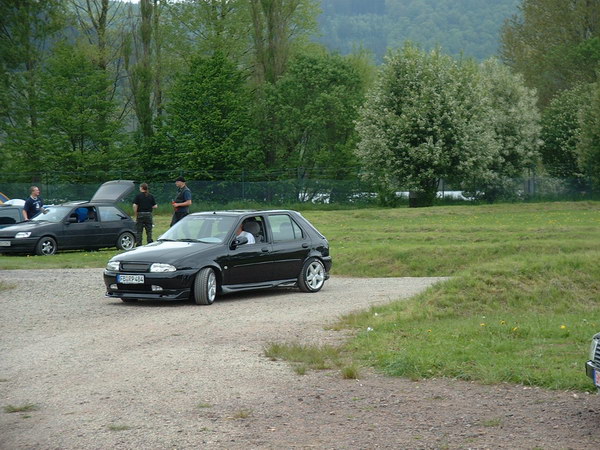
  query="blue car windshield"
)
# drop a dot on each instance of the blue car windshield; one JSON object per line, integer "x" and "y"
{"x": 55, "y": 214}
{"x": 208, "y": 229}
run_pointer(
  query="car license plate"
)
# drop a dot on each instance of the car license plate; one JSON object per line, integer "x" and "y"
{"x": 597, "y": 377}
{"x": 130, "y": 279}
{"x": 4, "y": 243}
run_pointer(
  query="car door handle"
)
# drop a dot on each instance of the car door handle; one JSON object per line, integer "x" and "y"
{"x": 265, "y": 249}
{"x": 304, "y": 245}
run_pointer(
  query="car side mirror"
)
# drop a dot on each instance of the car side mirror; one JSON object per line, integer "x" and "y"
{"x": 240, "y": 240}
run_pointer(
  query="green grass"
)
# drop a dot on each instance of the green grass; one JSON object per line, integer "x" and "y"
{"x": 119, "y": 427}
{"x": 5, "y": 286}
{"x": 521, "y": 307}
{"x": 27, "y": 407}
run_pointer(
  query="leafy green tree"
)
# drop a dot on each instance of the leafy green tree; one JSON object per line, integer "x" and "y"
{"x": 209, "y": 124}
{"x": 78, "y": 121}
{"x": 315, "y": 104}
{"x": 561, "y": 134}
{"x": 589, "y": 145}
{"x": 205, "y": 27}
{"x": 555, "y": 44}
{"x": 28, "y": 29}
{"x": 516, "y": 123}
{"x": 426, "y": 119}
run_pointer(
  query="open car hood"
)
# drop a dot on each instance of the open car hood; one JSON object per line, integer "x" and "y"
{"x": 113, "y": 191}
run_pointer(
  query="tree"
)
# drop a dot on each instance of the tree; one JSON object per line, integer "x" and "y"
{"x": 277, "y": 26}
{"x": 561, "y": 134}
{"x": 76, "y": 114}
{"x": 555, "y": 44}
{"x": 426, "y": 119}
{"x": 316, "y": 102}
{"x": 516, "y": 124}
{"x": 588, "y": 147}
{"x": 208, "y": 124}
{"x": 141, "y": 74}
{"x": 28, "y": 29}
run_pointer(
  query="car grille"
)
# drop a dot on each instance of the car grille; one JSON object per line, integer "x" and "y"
{"x": 597, "y": 354}
{"x": 134, "y": 267}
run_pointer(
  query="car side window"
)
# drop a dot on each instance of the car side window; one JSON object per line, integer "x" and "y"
{"x": 110, "y": 213}
{"x": 283, "y": 228}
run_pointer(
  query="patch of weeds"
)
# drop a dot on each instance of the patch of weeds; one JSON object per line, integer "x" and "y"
{"x": 300, "y": 369}
{"x": 204, "y": 405}
{"x": 4, "y": 286}
{"x": 4, "y": 380}
{"x": 243, "y": 414}
{"x": 20, "y": 408}
{"x": 492, "y": 422}
{"x": 350, "y": 373}
{"x": 305, "y": 357}
{"x": 116, "y": 427}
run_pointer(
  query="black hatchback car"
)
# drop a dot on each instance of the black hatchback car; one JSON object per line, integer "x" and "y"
{"x": 95, "y": 224}
{"x": 206, "y": 254}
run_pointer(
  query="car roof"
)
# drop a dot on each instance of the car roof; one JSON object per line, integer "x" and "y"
{"x": 242, "y": 212}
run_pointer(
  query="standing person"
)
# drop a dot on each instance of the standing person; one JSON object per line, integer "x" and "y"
{"x": 182, "y": 202}
{"x": 34, "y": 203}
{"x": 143, "y": 204}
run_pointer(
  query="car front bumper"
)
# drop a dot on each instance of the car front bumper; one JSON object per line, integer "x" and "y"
{"x": 156, "y": 286}
{"x": 21, "y": 245}
{"x": 593, "y": 372}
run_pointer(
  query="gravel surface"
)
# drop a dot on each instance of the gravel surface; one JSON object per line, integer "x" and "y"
{"x": 155, "y": 375}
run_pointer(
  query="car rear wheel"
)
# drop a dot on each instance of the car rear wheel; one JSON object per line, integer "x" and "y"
{"x": 312, "y": 277}
{"x": 126, "y": 241}
{"x": 46, "y": 246}
{"x": 205, "y": 287}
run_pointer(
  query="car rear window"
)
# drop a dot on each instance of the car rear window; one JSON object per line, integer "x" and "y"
{"x": 110, "y": 213}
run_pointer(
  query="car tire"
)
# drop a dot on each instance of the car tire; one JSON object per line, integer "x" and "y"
{"x": 205, "y": 287}
{"x": 129, "y": 300}
{"x": 46, "y": 246}
{"x": 312, "y": 277}
{"x": 126, "y": 241}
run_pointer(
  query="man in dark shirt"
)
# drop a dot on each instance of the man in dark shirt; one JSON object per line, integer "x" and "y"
{"x": 182, "y": 202}
{"x": 143, "y": 204}
{"x": 34, "y": 204}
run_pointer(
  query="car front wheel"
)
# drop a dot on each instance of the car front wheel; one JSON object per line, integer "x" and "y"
{"x": 205, "y": 287}
{"x": 312, "y": 277}
{"x": 126, "y": 241}
{"x": 46, "y": 246}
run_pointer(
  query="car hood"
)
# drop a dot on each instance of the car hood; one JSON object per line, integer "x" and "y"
{"x": 24, "y": 226}
{"x": 164, "y": 251}
{"x": 113, "y": 191}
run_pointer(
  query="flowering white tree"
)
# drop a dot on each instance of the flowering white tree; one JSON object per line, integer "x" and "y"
{"x": 428, "y": 117}
{"x": 516, "y": 124}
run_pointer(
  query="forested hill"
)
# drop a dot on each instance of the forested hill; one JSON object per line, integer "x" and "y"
{"x": 468, "y": 26}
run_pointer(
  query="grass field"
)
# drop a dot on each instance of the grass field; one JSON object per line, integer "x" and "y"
{"x": 521, "y": 307}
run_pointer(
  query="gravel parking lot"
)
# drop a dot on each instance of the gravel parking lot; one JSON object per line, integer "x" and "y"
{"x": 104, "y": 374}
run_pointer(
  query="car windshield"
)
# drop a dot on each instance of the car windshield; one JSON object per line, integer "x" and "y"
{"x": 55, "y": 214}
{"x": 208, "y": 229}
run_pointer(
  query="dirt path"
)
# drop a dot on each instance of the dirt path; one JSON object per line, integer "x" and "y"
{"x": 174, "y": 375}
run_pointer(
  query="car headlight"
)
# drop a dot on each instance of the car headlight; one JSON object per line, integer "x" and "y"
{"x": 161, "y": 267}
{"x": 595, "y": 343}
{"x": 23, "y": 234}
{"x": 112, "y": 265}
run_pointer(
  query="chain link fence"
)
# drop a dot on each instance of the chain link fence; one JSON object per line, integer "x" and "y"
{"x": 300, "y": 187}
